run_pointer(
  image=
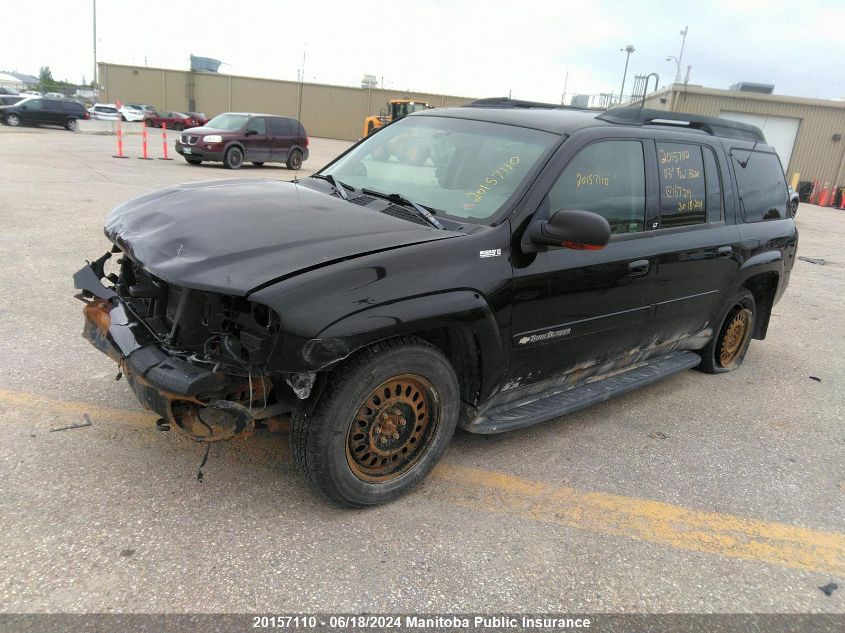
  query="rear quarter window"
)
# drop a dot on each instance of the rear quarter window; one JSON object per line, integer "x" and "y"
{"x": 761, "y": 184}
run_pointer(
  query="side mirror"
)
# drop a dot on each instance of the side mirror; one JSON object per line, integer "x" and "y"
{"x": 570, "y": 228}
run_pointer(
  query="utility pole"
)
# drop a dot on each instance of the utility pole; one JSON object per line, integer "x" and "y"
{"x": 96, "y": 85}
{"x": 563, "y": 96}
{"x": 301, "y": 84}
{"x": 628, "y": 49}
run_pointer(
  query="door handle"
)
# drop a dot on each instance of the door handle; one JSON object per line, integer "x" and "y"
{"x": 639, "y": 267}
{"x": 725, "y": 251}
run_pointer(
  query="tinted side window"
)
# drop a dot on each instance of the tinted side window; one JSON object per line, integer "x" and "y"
{"x": 302, "y": 133}
{"x": 607, "y": 178}
{"x": 259, "y": 125}
{"x": 682, "y": 193}
{"x": 279, "y": 126}
{"x": 761, "y": 184}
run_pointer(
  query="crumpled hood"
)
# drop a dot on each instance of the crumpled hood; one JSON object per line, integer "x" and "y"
{"x": 231, "y": 236}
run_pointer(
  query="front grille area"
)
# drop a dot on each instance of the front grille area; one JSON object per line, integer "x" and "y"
{"x": 174, "y": 295}
{"x": 189, "y": 139}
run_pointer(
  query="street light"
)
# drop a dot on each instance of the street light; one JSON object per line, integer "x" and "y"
{"x": 680, "y": 57}
{"x": 628, "y": 49}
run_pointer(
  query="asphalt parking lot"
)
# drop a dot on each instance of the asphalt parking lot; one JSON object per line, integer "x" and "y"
{"x": 698, "y": 494}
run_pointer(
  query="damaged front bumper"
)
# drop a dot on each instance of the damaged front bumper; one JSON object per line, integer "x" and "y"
{"x": 193, "y": 399}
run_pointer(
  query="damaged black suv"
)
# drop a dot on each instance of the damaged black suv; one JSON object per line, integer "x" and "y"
{"x": 490, "y": 267}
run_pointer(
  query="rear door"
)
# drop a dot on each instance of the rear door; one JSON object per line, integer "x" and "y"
{"x": 257, "y": 145}
{"x": 281, "y": 138}
{"x": 52, "y": 111}
{"x": 695, "y": 238}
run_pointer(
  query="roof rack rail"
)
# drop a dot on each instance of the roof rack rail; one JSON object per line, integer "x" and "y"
{"x": 506, "y": 102}
{"x": 710, "y": 125}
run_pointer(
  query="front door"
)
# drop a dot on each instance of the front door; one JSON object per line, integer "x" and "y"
{"x": 257, "y": 144}
{"x": 575, "y": 312}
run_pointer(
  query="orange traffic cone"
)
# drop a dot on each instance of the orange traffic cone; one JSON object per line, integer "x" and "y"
{"x": 120, "y": 153}
{"x": 144, "y": 140}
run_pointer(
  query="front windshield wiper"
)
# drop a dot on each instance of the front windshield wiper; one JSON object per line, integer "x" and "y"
{"x": 339, "y": 187}
{"x": 427, "y": 215}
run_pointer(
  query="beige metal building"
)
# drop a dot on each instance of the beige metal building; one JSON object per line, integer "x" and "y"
{"x": 808, "y": 134}
{"x": 327, "y": 111}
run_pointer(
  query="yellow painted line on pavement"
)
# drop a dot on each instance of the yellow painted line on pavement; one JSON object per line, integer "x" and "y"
{"x": 32, "y": 401}
{"x": 645, "y": 520}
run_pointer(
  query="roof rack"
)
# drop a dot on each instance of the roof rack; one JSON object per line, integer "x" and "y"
{"x": 710, "y": 125}
{"x": 505, "y": 102}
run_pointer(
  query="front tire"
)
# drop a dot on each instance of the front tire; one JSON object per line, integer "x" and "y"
{"x": 726, "y": 351}
{"x": 384, "y": 420}
{"x": 13, "y": 120}
{"x": 294, "y": 160}
{"x": 234, "y": 158}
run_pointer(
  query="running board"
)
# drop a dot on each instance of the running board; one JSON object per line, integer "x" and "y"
{"x": 526, "y": 412}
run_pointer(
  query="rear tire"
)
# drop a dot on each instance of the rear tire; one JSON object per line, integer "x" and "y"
{"x": 233, "y": 158}
{"x": 383, "y": 421}
{"x": 178, "y": 127}
{"x": 72, "y": 125}
{"x": 294, "y": 160}
{"x": 726, "y": 351}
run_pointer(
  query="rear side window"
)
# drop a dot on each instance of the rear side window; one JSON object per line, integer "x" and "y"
{"x": 607, "y": 178}
{"x": 761, "y": 185}
{"x": 682, "y": 189}
{"x": 280, "y": 126}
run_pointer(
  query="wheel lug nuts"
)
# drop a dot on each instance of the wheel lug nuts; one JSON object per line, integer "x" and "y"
{"x": 402, "y": 422}
{"x": 395, "y": 436}
{"x": 383, "y": 439}
{"x": 377, "y": 430}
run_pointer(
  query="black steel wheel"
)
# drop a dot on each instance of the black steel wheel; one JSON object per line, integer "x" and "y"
{"x": 294, "y": 159}
{"x": 382, "y": 422}
{"x": 234, "y": 158}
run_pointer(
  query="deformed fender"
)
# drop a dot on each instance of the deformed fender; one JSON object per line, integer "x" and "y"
{"x": 408, "y": 316}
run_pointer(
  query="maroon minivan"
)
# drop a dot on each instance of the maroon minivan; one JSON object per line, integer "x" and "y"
{"x": 238, "y": 137}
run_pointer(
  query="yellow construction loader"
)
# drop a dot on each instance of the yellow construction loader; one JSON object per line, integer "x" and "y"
{"x": 395, "y": 110}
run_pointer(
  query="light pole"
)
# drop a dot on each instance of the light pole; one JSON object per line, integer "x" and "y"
{"x": 680, "y": 57}
{"x": 628, "y": 49}
{"x": 95, "y": 47}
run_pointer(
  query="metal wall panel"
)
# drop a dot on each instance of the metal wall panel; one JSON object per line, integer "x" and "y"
{"x": 327, "y": 111}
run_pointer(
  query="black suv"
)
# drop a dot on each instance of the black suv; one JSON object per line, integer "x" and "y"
{"x": 490, "y": 267}
{"x": 39, "y": 111}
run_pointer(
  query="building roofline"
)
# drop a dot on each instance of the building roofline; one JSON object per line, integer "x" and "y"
{"x": 752, "y": 96}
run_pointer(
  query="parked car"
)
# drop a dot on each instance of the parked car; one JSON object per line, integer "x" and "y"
{"x": 104, "y": 112}
{"x": 131, "y": 114}
{"x": 39, "y": 111}
{"x": 31, "y": 93}
{"x": 793, "y": 201}
{"x": 507, "y": 264}
{"x": 10, "y": 99}
{"x": 144, "y": 108}
{"x": 235, "y": 137}
{"x": 8, "y": 91}
{"x": 58, "y": 96}
{"x": 199, "y": 117}
{"x": 172, "y": 120}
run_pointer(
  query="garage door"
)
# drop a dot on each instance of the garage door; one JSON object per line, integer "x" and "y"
{"x": 780, "y": 132}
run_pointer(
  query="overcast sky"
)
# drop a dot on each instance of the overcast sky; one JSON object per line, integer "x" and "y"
{"x": 457, "y": 47}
